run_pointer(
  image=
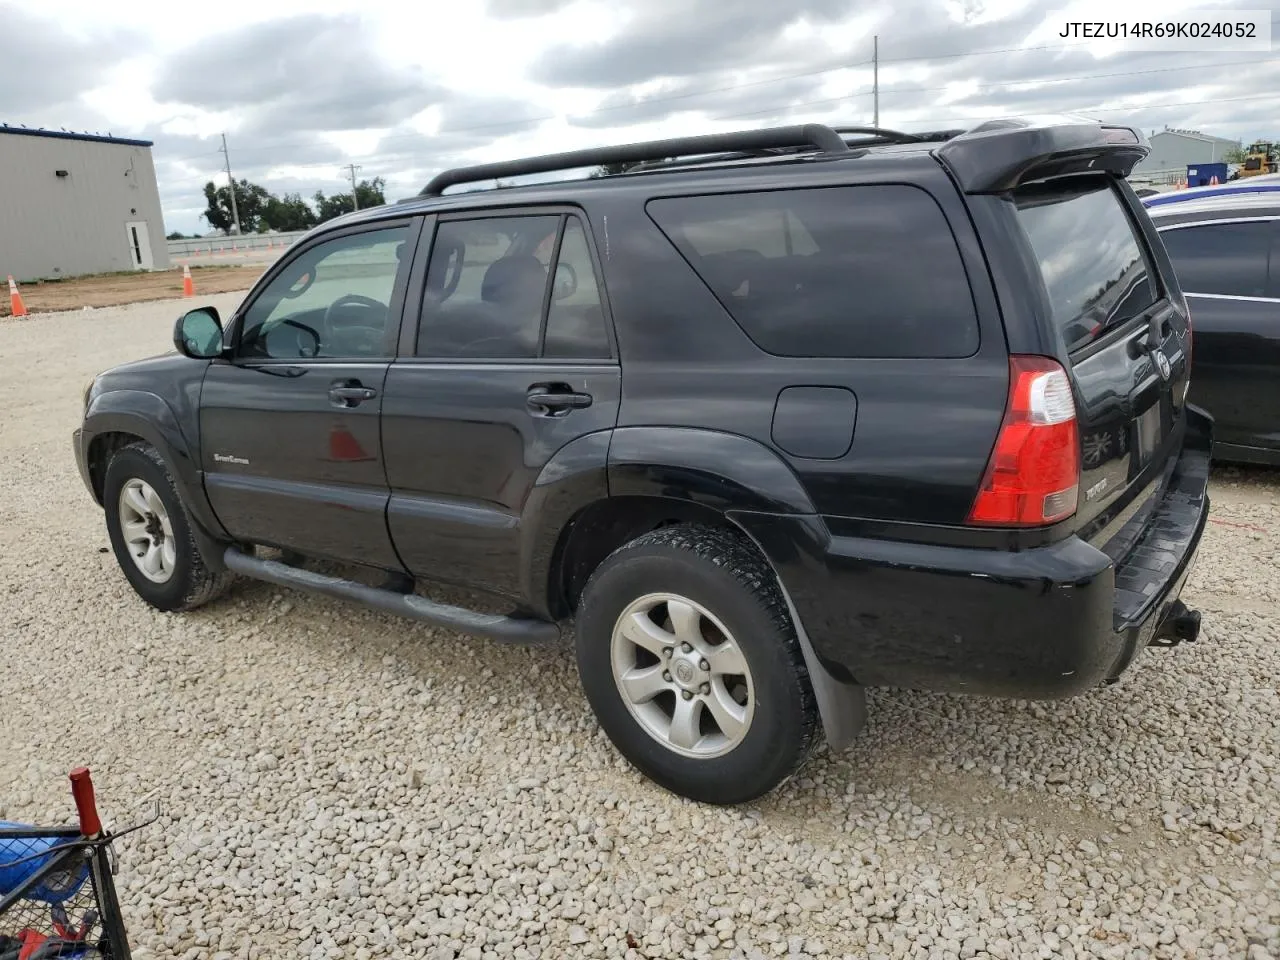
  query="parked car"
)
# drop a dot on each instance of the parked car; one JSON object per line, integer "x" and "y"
{"x": 1225, "y": 248}
{"x": 771, "y": 417}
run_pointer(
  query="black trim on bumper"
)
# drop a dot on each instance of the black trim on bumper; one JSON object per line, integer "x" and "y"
{"x": 1042, "y": 623}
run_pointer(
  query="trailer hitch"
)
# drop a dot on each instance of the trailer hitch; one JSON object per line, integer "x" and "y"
{"x": 1180, "y": 624}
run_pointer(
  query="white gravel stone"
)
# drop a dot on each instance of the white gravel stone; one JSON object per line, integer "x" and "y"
{"x": 336, "y": 783}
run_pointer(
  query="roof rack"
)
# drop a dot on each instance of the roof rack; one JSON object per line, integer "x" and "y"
{"x": 874, "y": 135}
{"x": 746, "y": 142}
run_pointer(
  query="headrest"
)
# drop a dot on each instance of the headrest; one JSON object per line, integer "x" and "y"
{"x": 512, "y": 278}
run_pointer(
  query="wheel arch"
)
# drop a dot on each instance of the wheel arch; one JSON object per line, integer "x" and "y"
{"x": 657, "y": 476}
{"x": 119, "y": 418}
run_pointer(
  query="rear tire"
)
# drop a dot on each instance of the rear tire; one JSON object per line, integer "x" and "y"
{"x": 151, "y": 536}
{"x": 691, "y": 663}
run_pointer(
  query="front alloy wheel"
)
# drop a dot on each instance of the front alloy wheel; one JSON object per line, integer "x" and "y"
{"x": 147, "y": 530}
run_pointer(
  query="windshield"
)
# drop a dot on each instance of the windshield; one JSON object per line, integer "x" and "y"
{"x": 1092, "y": 264}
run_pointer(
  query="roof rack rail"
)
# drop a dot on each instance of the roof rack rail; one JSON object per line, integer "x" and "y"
{"x": 875, "y": 136}
{"x": 814, "y": 135}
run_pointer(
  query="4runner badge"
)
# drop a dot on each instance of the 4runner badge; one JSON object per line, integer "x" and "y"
{"x": 223, "y": 458}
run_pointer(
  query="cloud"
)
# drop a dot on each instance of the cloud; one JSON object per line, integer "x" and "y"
{"x": 302, "y": 88}
{"x": 44, "y": 67}
{"x": 681, "y": 38}
{"x": 511, "y": 9}
{"x": 306, "y": 72}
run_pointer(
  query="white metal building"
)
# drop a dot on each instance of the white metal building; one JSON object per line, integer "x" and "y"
{"x": 77, "y": 203}
{"x": 1173, "y": 149}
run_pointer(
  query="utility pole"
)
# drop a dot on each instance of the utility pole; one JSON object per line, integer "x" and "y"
{"x": 875, "y": 79}
{"x": 231, "y": 185}
{"x": 355, "y": 201}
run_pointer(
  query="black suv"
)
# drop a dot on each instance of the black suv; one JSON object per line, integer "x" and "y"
{"x": 771, "y": 416}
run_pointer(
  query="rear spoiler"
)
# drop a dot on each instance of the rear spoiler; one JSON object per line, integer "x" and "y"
{"x": 999, "y": 155}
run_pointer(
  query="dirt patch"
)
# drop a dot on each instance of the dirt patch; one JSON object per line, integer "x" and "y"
{"x": 113, "y": 289}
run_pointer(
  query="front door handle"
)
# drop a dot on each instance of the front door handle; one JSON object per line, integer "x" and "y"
{"x": 350, "y": 393}
{"x": 556, "y": 399}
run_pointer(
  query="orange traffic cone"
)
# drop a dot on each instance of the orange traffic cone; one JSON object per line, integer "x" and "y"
{"x": 188, "y": 287}
{"x": 1213, "y": 181}
{"x": 16, "y": 306}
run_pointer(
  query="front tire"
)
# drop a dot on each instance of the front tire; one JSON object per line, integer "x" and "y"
{"x": 151, "y": 535}
{"x": 692, "y": 666}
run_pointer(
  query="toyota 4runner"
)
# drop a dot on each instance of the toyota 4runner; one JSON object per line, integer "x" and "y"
{"x": 771, "y": 417}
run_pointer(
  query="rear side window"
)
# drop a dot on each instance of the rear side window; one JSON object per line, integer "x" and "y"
{"x": 1090, "y": 259}
{"x": 862, "y": 271}
{"x": 1223, "y": 258}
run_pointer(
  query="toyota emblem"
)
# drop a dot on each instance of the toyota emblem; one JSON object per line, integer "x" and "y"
{"x": 1162, "y": 364}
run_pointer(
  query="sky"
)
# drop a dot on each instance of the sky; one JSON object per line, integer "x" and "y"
{"x": 303, "y": 87}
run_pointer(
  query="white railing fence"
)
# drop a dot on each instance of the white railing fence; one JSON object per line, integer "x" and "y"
{"x": 215, "y": 246}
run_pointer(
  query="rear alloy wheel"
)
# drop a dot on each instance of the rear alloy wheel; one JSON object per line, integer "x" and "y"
{"x": 682, "y": 676}
{"x": 692, "y": 666}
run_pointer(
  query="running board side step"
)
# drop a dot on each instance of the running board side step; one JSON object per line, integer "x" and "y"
{"x": 491, "y": 626}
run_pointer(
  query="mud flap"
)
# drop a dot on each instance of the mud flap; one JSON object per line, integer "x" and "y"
{"x": 842, "y": 706}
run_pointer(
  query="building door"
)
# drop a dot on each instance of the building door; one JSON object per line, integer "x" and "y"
{"x": 139, "y": 244}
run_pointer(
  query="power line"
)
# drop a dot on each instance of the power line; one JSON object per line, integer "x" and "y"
{"x": 355, "y": 200}
{"x": 875, "y": 77}
{"x": 231, "y": 185}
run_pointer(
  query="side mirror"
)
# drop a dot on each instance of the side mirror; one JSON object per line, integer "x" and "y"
{"x": 198, "y": 334}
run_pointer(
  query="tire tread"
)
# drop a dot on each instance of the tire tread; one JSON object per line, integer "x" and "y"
{"x": 741, "y": 560}
{"x": 203, "y": 584}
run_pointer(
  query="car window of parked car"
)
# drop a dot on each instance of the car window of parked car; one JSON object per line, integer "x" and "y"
{"x": 859, "y": 271}
{"x": 1221, "y": 258}
{"x": 331, "y": 301}
{"x": 491, "y": 292}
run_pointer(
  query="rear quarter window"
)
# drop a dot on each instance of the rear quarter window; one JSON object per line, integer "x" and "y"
{"x": 1094, "y": 270}
{"x": 858, "y": 271}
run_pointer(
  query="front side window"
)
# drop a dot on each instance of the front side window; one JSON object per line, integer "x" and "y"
{"x": 332, "y": 301}
{"x": 491, "y": 292}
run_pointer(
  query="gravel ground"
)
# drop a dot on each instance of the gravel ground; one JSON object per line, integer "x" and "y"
{"x": 336, "y": 783}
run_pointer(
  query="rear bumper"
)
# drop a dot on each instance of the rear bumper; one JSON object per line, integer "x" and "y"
{"x": 1042, "y": 623}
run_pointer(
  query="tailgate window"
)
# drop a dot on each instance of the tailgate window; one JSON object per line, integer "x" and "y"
{"x": 1090, "y": 258}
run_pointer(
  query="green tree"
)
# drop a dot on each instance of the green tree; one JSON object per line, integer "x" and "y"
{"x": 1234, "y": 155}
{"x": 369, "y": 192}
{"x": 612, "y": 169}
{"x": 287, "y": 213}
{"x": 251, "y": 200}
{"x": 176, "y": 235}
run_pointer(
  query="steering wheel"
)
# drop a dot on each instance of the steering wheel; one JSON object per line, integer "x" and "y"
{"x": 370, "y": 334}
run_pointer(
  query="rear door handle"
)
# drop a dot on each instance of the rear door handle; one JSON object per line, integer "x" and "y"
{"x": 545, "y": 400}
{"x": 350, "y": 393}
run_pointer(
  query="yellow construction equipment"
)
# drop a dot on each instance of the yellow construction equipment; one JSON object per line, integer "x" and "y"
{"x": 1263, "y": 156}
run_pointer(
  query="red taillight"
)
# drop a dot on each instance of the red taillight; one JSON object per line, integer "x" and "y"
{"x": 1033, "y": 477}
